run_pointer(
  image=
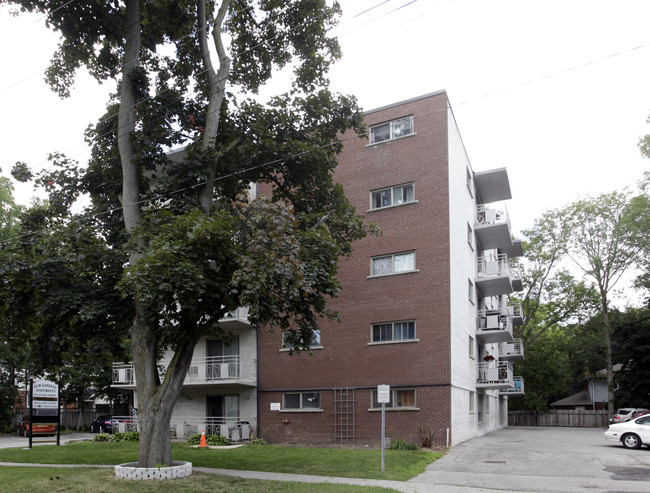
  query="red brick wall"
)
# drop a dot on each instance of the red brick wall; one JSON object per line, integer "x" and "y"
{"x": 346, "y": 359}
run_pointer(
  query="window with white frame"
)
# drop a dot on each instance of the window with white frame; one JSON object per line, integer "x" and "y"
{"x": 387, "y": 197}
{"x": 393, "y": 331}
{"x": 470, "y": 236}
{"x": 470, "y": 290}
{"x": 472, "y": 398}
{"x": 399, "y": 399}
{"x": 393, "y": 264}
{"x": 287, "y": 344}
{"x": 300, "y": 401}
{"x": 471, "y": 347}
{"x": 391, "y": 130}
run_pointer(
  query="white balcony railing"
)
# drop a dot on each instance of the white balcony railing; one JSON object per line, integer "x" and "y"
{"x": 494, "y": 326}
{"x": 494, "y": 375}
{"x": 513, "y": 307}
{"x": 511, "y": 350}
{"x": 234, "y": 428}
{"x": 487, "y": 216}
{"x": 214, "y": 369}
{"x": 517, "y": 389}
{"x": 493, "y": 266}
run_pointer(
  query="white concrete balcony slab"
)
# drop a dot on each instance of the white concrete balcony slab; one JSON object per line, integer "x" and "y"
{"x": 511, "y": 350}
{"x": 492, "y": 227}
{"x": 494, "y": 375}
{"x": 494, "y": 326}
{"x": 210, "y": 371}
{"x": 237, "y": 319}
{"x": 494, "y": 276}
{"x": 517, "y": 389}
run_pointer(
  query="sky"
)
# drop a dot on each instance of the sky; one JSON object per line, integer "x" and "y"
{"x": 556, "y": 91}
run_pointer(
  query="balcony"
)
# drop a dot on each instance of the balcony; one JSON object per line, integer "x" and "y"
{"x": 514, "y": 310}
{"x": 237, "y": 319}
{"x": 215, "y": 370}
{"x": 492, "y": 228}
{"x": 517, "y": 389}
{"x": 494, "y": 326}
{"x": 233, "y": 428}
{"x": 492, "y": 185}
{"x": 511, "y": 350}
{"x": 494, "y": 276}
{"x": 494, "y": 375}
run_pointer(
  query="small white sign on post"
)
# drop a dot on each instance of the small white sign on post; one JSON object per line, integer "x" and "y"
{"x": 383, "y": 396}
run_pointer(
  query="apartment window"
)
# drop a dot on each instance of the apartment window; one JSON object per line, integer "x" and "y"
{"x": 468, "y": 178}
{"x": 286, "y": 344}
{"x": 391, "y": 130}
{"x": 300, "y": 401}
{"x": 471, "y": 347}
{"x": 470, "y": 290}
{"x": 387, "y": 197}
{"x": 399, "y": 399}
{"x": 393, "y": 264}
{"x": 472, "y": 397}
{"x": 393, "y": 331}
{"x": 470, "y": 236}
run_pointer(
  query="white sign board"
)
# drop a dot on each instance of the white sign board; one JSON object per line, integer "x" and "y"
{"x": 45, "y": 404}
{"x": 383, "y": 394}
{"x": 275, "y": 406}
{"x": 43, "y": 388}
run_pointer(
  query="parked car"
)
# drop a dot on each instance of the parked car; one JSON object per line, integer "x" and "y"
{"x": 639, "y": 412}
{"x": 37, "y": 428}
{"x": 632, "y": 434}
{"x": 622, "y": 415}
{"x": 103, "y": 424}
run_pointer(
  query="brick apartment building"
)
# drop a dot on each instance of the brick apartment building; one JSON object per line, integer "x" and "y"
{"x": 421, "y": 306}
{"x": 424, "y": 308}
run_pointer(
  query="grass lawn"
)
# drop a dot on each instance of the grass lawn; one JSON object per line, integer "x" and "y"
{"x": 400, "y": 465}
{"x": 73, "y": 480}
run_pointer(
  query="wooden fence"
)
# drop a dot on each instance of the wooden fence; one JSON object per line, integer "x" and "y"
{"x": 576, "y": 419}
{"x": 70, "y": 420}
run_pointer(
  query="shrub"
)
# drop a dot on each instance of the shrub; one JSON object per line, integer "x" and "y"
{"x": 129, "y": 436}
{"x": 400, "y": 444}
{"x": 213, "y": 440}
{"x": 259, "y": 441}
{"x": 102, "y": 437}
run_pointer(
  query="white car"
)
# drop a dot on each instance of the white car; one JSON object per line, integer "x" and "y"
{"x": 632, "y": 434}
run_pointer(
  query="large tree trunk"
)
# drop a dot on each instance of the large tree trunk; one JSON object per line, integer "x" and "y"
{"x": 156, "y": 399}
{"x": 608, "y": 353}
{"x": 217, "y": 83}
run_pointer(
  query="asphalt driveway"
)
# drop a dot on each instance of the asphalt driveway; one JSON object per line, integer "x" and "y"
{"x": 543, "y": 460}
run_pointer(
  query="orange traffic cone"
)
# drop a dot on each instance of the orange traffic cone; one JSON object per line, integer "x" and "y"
{"x": 203, "y": 444}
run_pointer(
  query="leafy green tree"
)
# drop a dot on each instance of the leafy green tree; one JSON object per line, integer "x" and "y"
{"x": 551, "y": 296}
{"x": 596, "y": 236}
{"x": 631, "y": 342}
{"x": 546, "y": 371}
{"x": 197, "y": 245}
{"x": 9, "y": 212}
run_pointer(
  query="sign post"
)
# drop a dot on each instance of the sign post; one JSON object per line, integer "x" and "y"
{"x": 44, "y": 403}
{"x": 383, "y": 396}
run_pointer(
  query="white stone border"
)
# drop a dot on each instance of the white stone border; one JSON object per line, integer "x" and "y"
{"x": 130, "y": 470}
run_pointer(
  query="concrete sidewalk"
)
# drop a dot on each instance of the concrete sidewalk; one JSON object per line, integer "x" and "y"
{"x": 403, "y": 486}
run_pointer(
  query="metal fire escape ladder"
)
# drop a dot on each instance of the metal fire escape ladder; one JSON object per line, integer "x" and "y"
{"x": 344, "y": 415}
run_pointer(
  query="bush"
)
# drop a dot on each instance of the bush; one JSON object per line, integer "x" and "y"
{"x": 213, "y": 440}
{"x": 129, "y": 436}
{"x": 259, "y": 441}
{"x": 102, "y": 437}
{"x": 400, "y": 444}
